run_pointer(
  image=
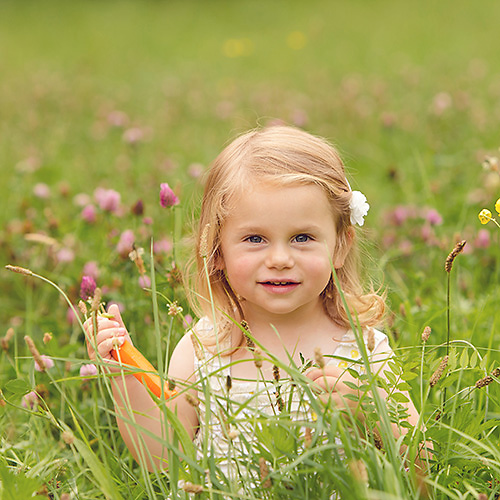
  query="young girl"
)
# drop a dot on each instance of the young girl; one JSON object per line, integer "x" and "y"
{"x": 277, "y": 217}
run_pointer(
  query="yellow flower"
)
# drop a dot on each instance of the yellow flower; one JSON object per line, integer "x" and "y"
{"x": 497, "y": 206}
{"x": 484, "y": 216}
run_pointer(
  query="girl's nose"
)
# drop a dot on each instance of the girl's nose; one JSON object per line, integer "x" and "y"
{"x": 279, "y": 257}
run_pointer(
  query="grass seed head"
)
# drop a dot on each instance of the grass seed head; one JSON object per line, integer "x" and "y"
{"x": 83, "y": 307}
{"x": 7, "y": 338}
{"x": 35, "y": 353}
{"x": 318, "y": 357}
{"x": 308, "y": 437}
{"x": 189, "y": 487}
{"x": 358, "y": 470}
{"x": 264, "y": 473}
{"x": 426, "y": 334}
{"x": 250, "y": 343}
{"x": 20, "y": 270}
{"x": 68, "y": 437}
{"x": 439, "y": 372}
{"x": 257, "y": 358}
{"x": 453, "y": 254}
{"x": 96, "y": 301}
{"x": 204, "y": 241}
{"x": 370, "y": 341}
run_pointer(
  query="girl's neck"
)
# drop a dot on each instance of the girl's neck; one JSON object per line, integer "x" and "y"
{"x": 291, "y": 329}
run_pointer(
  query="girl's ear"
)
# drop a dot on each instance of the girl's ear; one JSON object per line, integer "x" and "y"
{"x": 344, "y": 244}
{"x": 219, "y": 261}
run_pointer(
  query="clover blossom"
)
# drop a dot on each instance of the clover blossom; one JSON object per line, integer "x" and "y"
{"x": 167, "y": 196}
{"x": 87, "y": 287}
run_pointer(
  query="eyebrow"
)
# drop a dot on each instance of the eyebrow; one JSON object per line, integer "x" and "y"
{"x": 312, "y": 228}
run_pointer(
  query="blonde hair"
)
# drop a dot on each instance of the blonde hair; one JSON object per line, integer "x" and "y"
{"x": 277, "y": 155}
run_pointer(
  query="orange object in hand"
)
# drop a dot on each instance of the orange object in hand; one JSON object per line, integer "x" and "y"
{"x": 131, "y": 356}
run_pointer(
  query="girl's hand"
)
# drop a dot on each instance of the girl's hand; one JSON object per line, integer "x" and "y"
{"x": 330, "y": 382}
{"x": 111, "y": 333}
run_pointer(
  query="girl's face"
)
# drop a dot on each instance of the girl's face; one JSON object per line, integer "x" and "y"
{"x": 277, "y": 246}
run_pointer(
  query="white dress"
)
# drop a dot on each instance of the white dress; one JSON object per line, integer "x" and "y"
{"x": 233, "y": 413}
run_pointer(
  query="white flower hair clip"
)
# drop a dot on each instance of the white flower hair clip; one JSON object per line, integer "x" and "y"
{"x": 359, "y": 207}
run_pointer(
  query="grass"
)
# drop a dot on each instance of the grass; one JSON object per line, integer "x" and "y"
{"x": 409, "y": 92}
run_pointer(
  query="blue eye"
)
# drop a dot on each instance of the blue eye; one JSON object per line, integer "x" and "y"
{"x": 254, "y": 239}
{"x": 302, "y": 238}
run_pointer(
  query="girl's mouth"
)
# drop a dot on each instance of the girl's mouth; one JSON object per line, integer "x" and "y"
{"x": 279, "y": 286}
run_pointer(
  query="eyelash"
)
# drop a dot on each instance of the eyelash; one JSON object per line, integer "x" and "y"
{"x": 251, "y": 239}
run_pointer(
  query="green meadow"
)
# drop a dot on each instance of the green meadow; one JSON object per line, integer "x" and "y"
{"x": 112, "y": 98}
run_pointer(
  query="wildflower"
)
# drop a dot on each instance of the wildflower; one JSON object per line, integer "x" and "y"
{"x": 426, "y": 334}
{"x": 453, "y": 254}
{"x": 439, "y": 372}
{"x": 144, "y": 281}
{"x": 65, "y": 255}
{"x": 167, "y": 196}
{"x": 497, "y": 206}
{"x": 483, "y": 239}
{"x": 107, "y": 199}
{"x": 46, "y": 364}
{"x": 30, "y": 400}
{"x": 81, "y": 199}
{"x": 296, "y": 40}
{"x": 264, "y": 473}
{"x": 117, "y": 118}
{"x": 89, "y": 213}
{"x": 174, "y": 309}
{"x": 70, "y": 316}
{"x": 187, "y": 321}
{"x": 484, "y": 216}
{"x": 133, "y": 135}
{"x": 441, "y": 102}
{"x": 433, "y": 217}
{"x": 41, "y": 190}
{"x": 47, "y": 337}
{"x": 195, "y": 170}
{"x": 126, "y": 243}
{"x": 87, "y": 287}
{"x": 138, "y": 208}
{"x": 91, "y": 269}
{"x": 88, "y": 370}
{"x": 490, "y": 163}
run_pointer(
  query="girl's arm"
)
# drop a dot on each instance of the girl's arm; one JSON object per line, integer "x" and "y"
{"x": 140, "y": 420}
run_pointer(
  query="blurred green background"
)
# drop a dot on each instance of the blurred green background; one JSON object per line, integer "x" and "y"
{"x": 128, "y": 94}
